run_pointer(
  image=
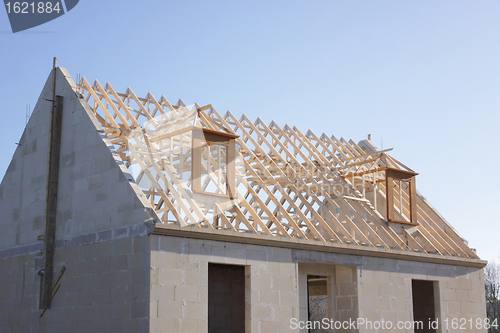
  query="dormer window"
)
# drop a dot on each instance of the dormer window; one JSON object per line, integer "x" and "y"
{"x": 404, "y": 183}
{"x": 213, "y": 162}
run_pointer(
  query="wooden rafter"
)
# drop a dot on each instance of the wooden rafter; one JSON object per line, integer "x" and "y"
{"x": 287, "y": 183}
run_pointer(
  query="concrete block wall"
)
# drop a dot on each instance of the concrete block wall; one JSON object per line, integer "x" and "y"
{"x": 346, "y": 293}
{"x": 102, "y": 228}
{"x": 276, "y": 286}
{"x": 385, "y": 291}
{"x": 22, "y": 190}
{"x": 179, "y": 284}
{"x": 96, "y": 191}
{"x": 105, "y": 287}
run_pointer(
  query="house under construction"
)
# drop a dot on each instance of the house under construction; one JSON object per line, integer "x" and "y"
{"x": 122, "y": 213}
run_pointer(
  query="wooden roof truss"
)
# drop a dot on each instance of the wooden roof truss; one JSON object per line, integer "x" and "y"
{"x": 287, "y": 183}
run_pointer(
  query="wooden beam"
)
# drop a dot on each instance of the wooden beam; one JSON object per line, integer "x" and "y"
{"x": 281, "y": 167}
{"x": 55, "y": 134}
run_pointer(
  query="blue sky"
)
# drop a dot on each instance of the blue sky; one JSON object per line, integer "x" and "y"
{"x": 422, "y": 77}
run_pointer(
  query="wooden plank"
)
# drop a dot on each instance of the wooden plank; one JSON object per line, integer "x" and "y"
{"x": 351, "y": 175}
{"x": 171, "y": 134}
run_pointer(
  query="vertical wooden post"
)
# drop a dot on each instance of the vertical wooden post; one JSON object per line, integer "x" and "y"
{"x": 230, "y": 169}
{"x": 196, "y": 160}
{"x": 51, "y": 197}
{"x": 413, "y": 200}
{"x": 400, "y": 183}
{"x": 389, "y": 187}
{"x": 181, "y": 157}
